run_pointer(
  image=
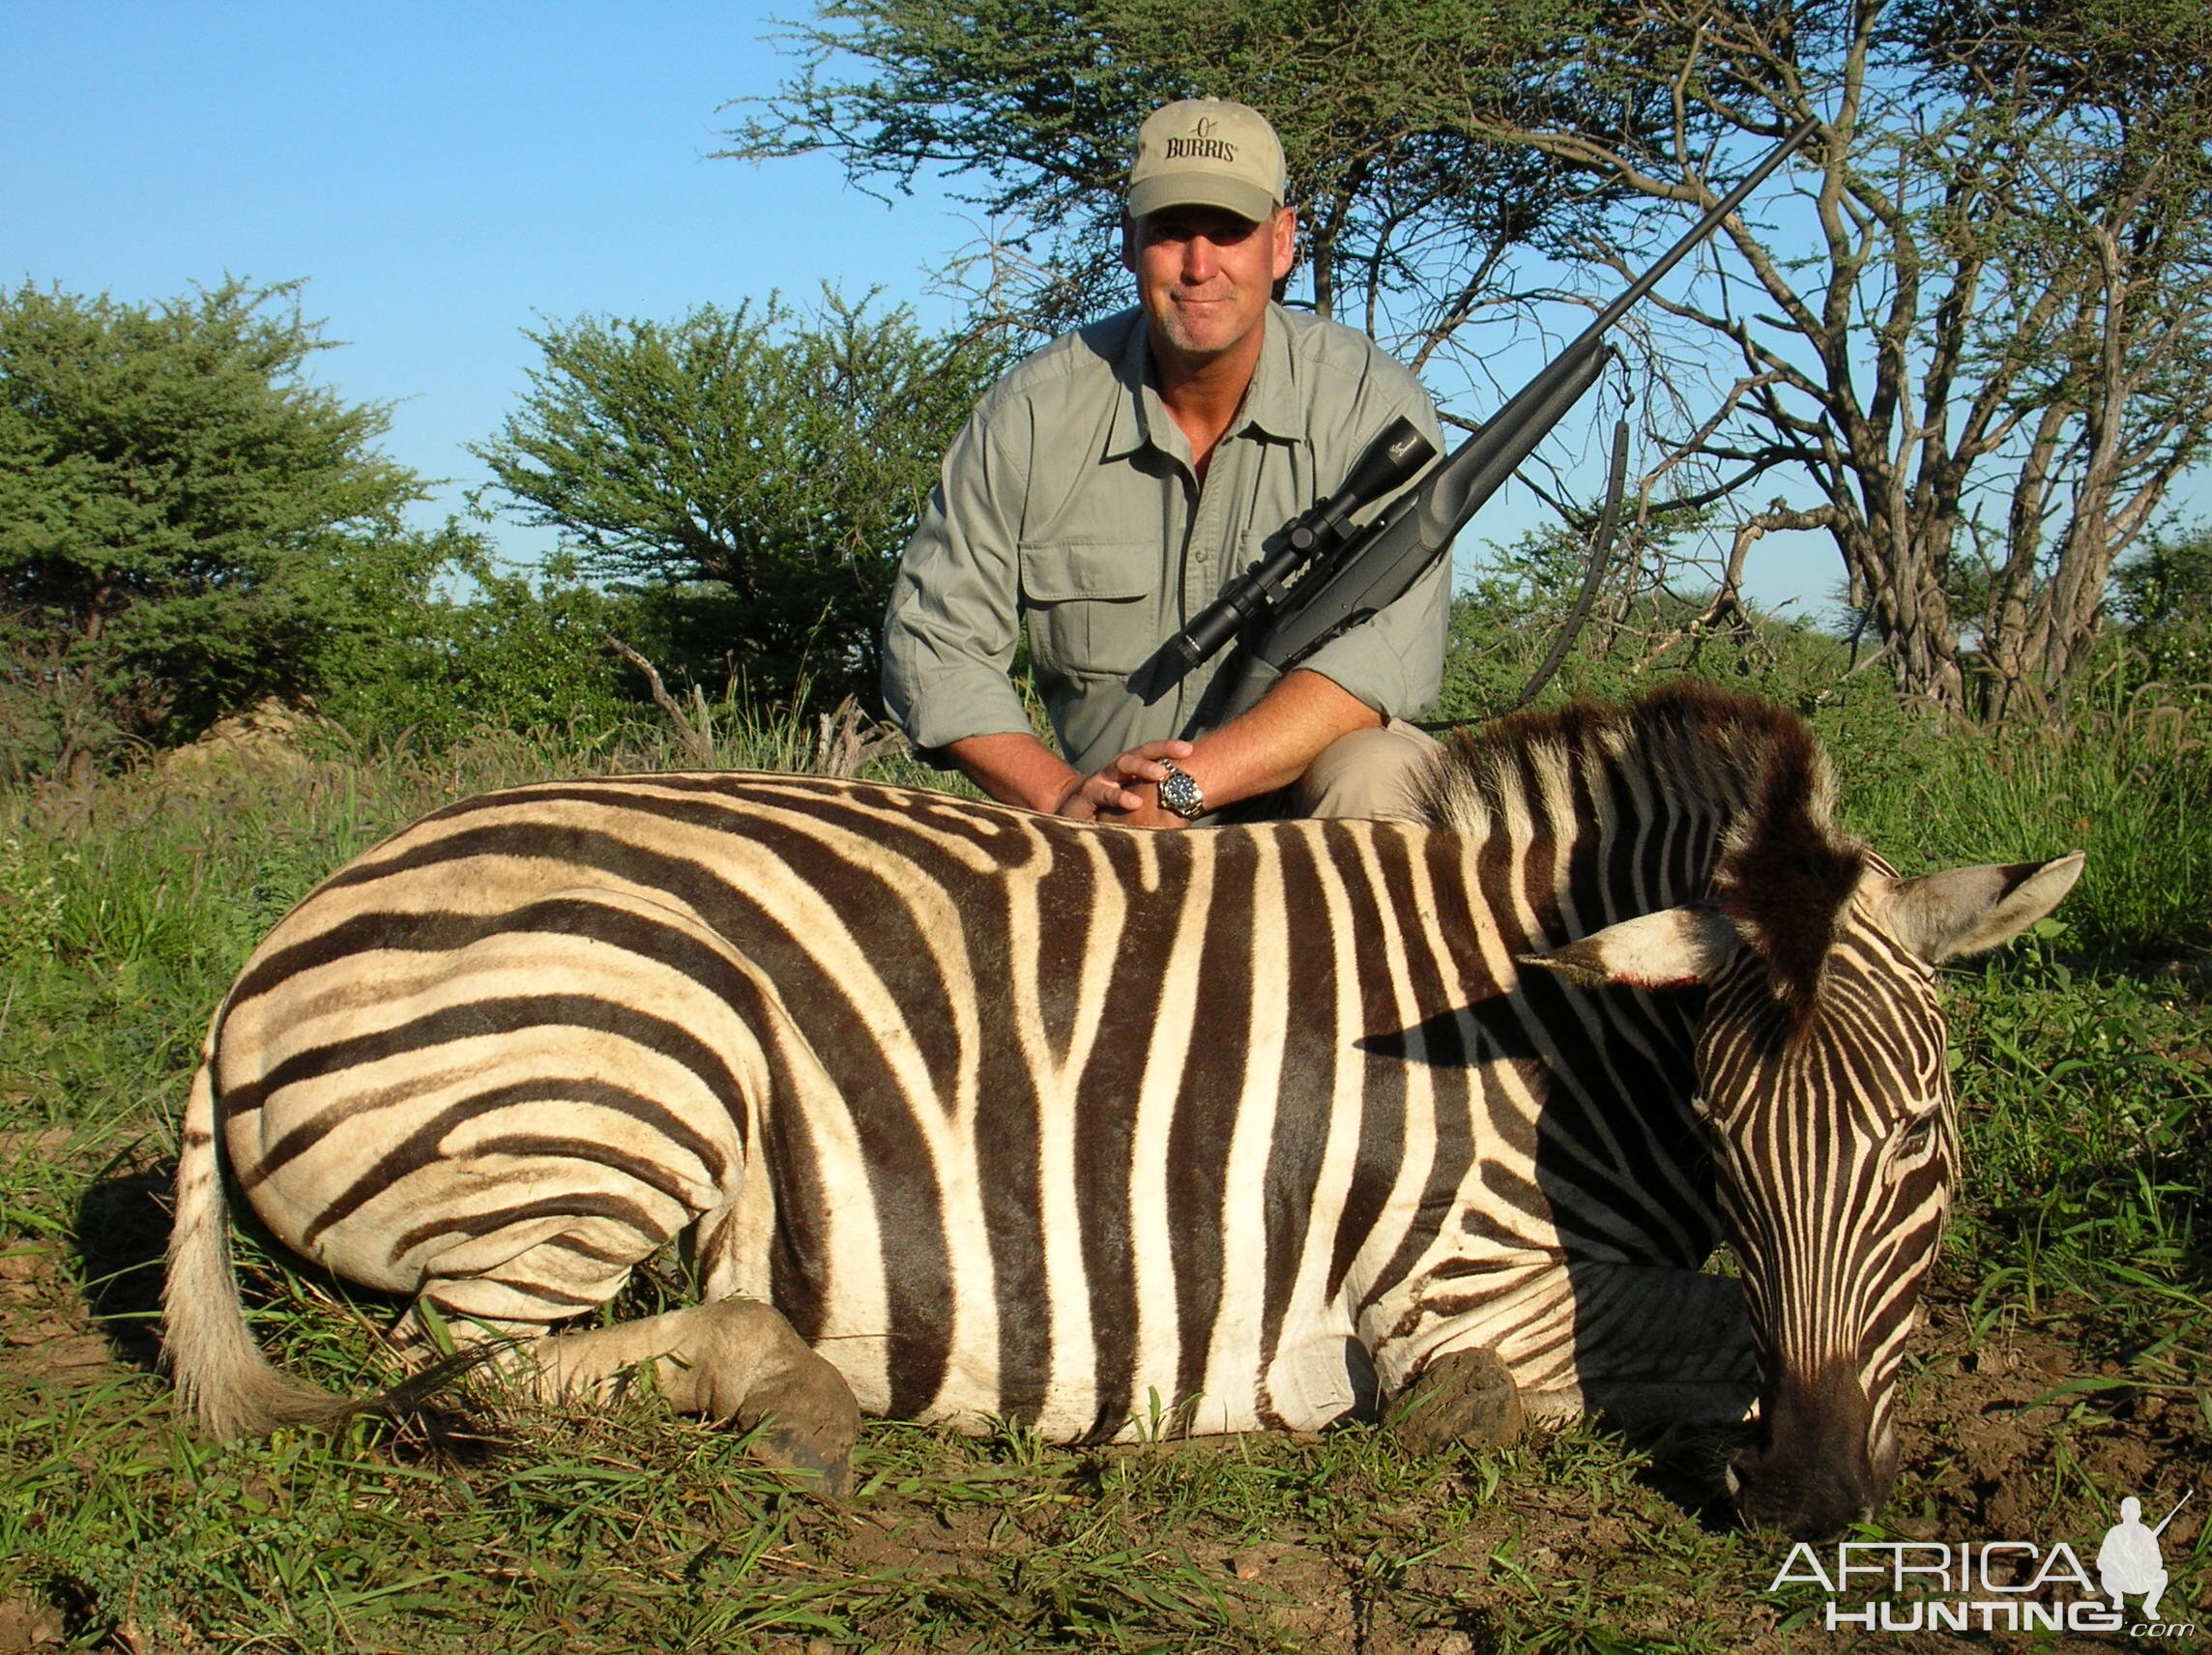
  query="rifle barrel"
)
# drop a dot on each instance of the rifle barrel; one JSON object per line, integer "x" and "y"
{"x": 1372, "y": 573}
{"x": 1705, "y": 227}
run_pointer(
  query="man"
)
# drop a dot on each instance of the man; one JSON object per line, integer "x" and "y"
{"x": 1109, "y": 488}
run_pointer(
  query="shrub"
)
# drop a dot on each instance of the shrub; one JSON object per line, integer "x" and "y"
{"x": 185, "y": 520}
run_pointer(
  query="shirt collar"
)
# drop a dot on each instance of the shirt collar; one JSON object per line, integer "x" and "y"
{"x": 1138, "y": 405}
{"x": 1141, "y": 420}
{"x": 1273, "y": 404}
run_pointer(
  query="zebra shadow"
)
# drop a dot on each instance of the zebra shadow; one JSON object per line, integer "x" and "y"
{"x": 119, "y": 1238}
{"x": 438, "y": 1414}
{"x": 1682, "y": 1455}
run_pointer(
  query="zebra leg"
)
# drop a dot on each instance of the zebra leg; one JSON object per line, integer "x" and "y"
{"x": 736, "y": 1362}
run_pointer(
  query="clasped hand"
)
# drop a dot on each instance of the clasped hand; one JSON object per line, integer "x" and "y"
{"x": 1126, "y": 790}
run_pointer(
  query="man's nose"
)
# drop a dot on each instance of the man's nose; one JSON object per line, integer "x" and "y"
{"x": 1200, "y": 258}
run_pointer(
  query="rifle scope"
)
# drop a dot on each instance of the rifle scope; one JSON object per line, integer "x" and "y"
{"x": 1392, "y": 458}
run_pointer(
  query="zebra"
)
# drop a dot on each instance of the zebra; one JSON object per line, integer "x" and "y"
{"x": 971, "y": 1115}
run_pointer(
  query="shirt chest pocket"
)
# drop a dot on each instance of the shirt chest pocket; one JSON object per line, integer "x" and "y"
{"x": 1089, "y": 605}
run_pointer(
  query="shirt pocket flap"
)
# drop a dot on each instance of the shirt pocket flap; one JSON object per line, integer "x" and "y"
{"x": 1116, "y": 571}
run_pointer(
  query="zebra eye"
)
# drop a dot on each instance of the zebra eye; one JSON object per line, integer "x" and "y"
{"x": 1919, "y": 1132}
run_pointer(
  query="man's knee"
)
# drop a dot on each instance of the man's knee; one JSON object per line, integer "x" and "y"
{"x": 1369, "y": 773}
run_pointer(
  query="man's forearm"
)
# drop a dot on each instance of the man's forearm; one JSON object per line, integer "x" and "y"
{"x": 1014, "y": 768}
{"x": 1267, "y": 746}
{"x": 1271, "y": 743}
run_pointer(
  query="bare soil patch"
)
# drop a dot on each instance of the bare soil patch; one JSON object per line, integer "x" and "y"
{"x": 48, "y": 1333}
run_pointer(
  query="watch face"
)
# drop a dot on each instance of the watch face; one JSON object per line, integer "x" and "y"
{"x": 1179, "y": 793}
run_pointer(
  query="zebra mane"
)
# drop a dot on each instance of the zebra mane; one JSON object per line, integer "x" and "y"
{"x": 1776, "y": 864}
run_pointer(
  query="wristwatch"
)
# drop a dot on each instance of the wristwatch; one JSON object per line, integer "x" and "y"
{"x": 1179, "y": 793}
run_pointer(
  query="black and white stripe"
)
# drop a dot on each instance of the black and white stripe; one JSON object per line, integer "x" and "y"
{"x": 1013, "y": 1118}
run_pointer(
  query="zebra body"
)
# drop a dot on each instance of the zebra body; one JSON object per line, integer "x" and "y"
{"x": 1098, "y": 1130}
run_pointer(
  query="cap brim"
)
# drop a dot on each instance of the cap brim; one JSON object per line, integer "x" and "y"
{"x": 1201, "y": 189}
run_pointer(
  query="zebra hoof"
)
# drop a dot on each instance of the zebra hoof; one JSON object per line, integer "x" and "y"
{"x": 1463, "y": 1396}
{"x": 811, "y": 1422}
{"x": 830, "y": 1476}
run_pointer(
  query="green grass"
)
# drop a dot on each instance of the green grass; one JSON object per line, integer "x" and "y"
{"x": 2126, "y": 778}
{"x": 2072, "y": 1320}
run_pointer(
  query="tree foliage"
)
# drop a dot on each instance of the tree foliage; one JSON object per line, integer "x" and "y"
{"x": 2165, "y": 602}
{"x": 187, "y": 522}
{"x": 765, "y": 467}
{"x": 486, "y": 647}
{"x": 1974, "y": 347}
{"x": 1406, "y": 210}
{"x": 1985, "y": 335}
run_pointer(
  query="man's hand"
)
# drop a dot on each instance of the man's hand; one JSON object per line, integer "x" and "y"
{"x": 1015, "y": 768}
{"x": 1126, "y": 791}
{"x": 1267, "y": 746}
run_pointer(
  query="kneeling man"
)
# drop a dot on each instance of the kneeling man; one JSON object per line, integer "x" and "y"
{"x": 1111, "y": 485}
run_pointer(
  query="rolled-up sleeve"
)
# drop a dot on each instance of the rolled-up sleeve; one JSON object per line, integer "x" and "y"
{"x": 954, "y": 614}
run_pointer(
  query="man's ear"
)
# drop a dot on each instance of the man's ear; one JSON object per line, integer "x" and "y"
{"x": 1284, "y": 231}
{"x": 1129, "y": 243}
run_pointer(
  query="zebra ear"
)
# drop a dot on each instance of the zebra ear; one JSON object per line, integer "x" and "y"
{"x": 1676, "y": 947}
{"x": 1966, "y": 911}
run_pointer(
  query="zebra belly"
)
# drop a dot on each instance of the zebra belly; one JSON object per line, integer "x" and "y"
{"x": 1066, "y": 1299}
{"x": 1092, "y": 1392}
{"x": 1316, "y": 1381}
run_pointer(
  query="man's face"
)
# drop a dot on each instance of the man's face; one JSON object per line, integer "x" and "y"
{"x": 1205, "y": 276}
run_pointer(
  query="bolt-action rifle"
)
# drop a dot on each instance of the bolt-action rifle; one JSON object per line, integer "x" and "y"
{"x": 1322, "y": 575}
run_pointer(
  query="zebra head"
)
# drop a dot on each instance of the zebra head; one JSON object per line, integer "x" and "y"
{"x": 1824, "y": 1091}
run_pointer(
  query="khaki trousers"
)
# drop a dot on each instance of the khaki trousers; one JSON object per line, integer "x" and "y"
{"x": 1369, "y": 773}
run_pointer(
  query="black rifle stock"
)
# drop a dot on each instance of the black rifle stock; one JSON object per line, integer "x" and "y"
{"x": 1348, "y": 578}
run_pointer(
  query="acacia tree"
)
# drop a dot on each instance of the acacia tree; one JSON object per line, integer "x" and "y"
{"x": 1986, "y": 339}
{"x": 759, "y": 472}
{"x": 187, "y": 522}
{"x": 1408, "y": 212}
{"x": 1977, "y": 351}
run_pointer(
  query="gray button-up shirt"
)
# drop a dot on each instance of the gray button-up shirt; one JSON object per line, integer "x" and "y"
{"x": 1069, "y": 501}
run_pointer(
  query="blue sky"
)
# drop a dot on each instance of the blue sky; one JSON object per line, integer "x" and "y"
{"x": 446, "y": 176}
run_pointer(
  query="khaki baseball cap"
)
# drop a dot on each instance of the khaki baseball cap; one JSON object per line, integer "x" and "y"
{"x": 1208, "y": 152}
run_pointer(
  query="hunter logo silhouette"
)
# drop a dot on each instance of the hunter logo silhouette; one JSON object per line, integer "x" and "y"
{"x": 2129, "y": 1561}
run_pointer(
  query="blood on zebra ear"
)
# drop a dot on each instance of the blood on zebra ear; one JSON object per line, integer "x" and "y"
{"x": 1966, "y": 911}
{"x": 1676, "y": 947}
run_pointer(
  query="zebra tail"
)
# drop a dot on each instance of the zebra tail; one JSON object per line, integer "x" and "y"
{"x": 222, "y": 1375}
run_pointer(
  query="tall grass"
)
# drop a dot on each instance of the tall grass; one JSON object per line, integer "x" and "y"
{"x": 2127, "y": 777}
